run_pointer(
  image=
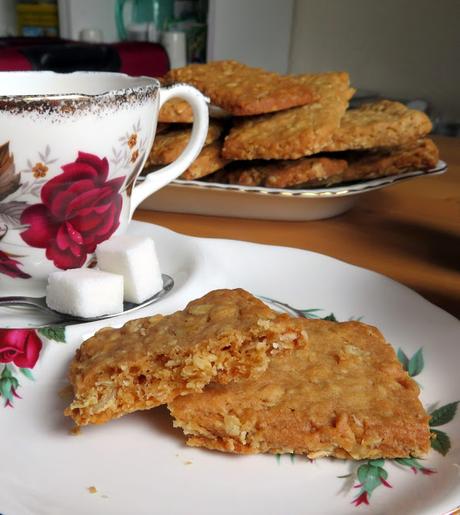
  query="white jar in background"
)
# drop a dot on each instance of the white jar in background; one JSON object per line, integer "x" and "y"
{"x": 90, "y": 35}
{"x": 174, "y": 43}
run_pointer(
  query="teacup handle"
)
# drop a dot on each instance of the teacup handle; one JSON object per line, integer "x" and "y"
{"x": 156, "y": 180}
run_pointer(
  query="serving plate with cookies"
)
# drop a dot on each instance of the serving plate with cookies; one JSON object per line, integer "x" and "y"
{"x": 269, "y": 380}
{"x": 286, "y": 147}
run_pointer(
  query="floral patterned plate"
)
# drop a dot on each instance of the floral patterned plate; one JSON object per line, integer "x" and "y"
{"x": 139, "y": 463}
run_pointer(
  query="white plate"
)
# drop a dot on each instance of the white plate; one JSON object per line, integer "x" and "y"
{"x": 205, "y": 198}
{"x": 139, "y": 464}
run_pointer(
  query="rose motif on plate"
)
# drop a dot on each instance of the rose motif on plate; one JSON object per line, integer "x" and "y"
{"x": 19, "y": 346}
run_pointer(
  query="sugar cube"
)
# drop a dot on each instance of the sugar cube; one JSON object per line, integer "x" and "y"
{"x": 85, "y": 292}
{"x": 133, "y": 257}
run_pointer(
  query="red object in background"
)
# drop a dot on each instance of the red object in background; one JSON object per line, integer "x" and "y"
{"x": 142, "y": 58}
{"x": 13, "y": 60}
{"x": 130, "y": 57}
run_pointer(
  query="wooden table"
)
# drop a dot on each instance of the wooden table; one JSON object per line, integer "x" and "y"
{"x": 409, "y": 231}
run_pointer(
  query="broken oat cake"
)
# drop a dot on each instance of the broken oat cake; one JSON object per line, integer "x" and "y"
{"x": 225, "y": 336}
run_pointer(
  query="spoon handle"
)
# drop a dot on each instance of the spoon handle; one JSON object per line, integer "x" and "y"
{"x": 128, "y": 307}
{"x": 37, "y": 302}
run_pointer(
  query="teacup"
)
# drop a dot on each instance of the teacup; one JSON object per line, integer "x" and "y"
{"x": 71, "y": 149}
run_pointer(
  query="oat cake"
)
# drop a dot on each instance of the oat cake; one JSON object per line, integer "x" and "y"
{"x": 242, "y": 90}
{"x": 331, "y": 169}
{"x": 384, "y": 123}
{"x": 169, "y": 144}
{"x": 209, "y": 160}
{"x": 296, "y": 132}
{"x": 345, "y": 395}
{"x": 420, "y": 155}
{"x": 224, "y": 336}
{"x": 176, "y": 110}
{"x": 385, "y": 162}
{"x": 284, "y": 173}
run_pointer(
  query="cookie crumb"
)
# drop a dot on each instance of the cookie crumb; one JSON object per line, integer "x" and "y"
{"x": 188, "y": 462}
{"x": 75, "y": 431}
{"x": 92, "y": 489}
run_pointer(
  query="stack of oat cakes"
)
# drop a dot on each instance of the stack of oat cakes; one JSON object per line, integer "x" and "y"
{"x": 293, "y": 131}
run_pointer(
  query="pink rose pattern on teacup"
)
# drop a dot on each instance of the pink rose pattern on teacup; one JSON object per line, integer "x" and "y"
{"x": 75, "y": 210}
{"x": 10, "y": 266}
{"x": 80, "y": 208}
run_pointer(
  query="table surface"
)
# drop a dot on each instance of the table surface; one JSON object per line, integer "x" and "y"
{"x": 409, "y": 231}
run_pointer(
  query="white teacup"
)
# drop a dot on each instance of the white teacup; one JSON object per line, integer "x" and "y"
{"x": 71, "y": 148}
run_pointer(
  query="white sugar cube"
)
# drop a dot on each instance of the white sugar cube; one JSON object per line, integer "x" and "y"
{"x": 85, "y": 292}
{"x": 134, "y": 258}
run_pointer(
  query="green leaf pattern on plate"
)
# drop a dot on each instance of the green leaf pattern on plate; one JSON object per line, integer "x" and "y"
{"x": 444, "y": 414}
{"x": 414, "y": 365}
{"x": 440, "y": 441}
{"x": 56, "y": 333}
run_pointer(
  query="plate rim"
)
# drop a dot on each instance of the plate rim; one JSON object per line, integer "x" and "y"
{"x": 344, "y": 190}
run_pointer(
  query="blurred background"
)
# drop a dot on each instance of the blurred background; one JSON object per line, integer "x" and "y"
{"x": 400, "y": 49}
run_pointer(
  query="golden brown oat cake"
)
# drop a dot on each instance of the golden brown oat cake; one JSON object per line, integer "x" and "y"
{"x": 241, "y": 90}
{"x": 208, "y": 161}
{"x": 286, "y": 174}
{"x": 365, "y": 165}
{"x": 421, "y": 155}
{"x": 296, "y": 132}
{"x": 224, "y": 336}
{"x": 176, "y": 110}
{"x": 239, "y": 172}
{"x": 344, "y": 395}
{"x": 169, "y": 144}
{"x": 327, "y": 171}
{"x": 379, "y": 124}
